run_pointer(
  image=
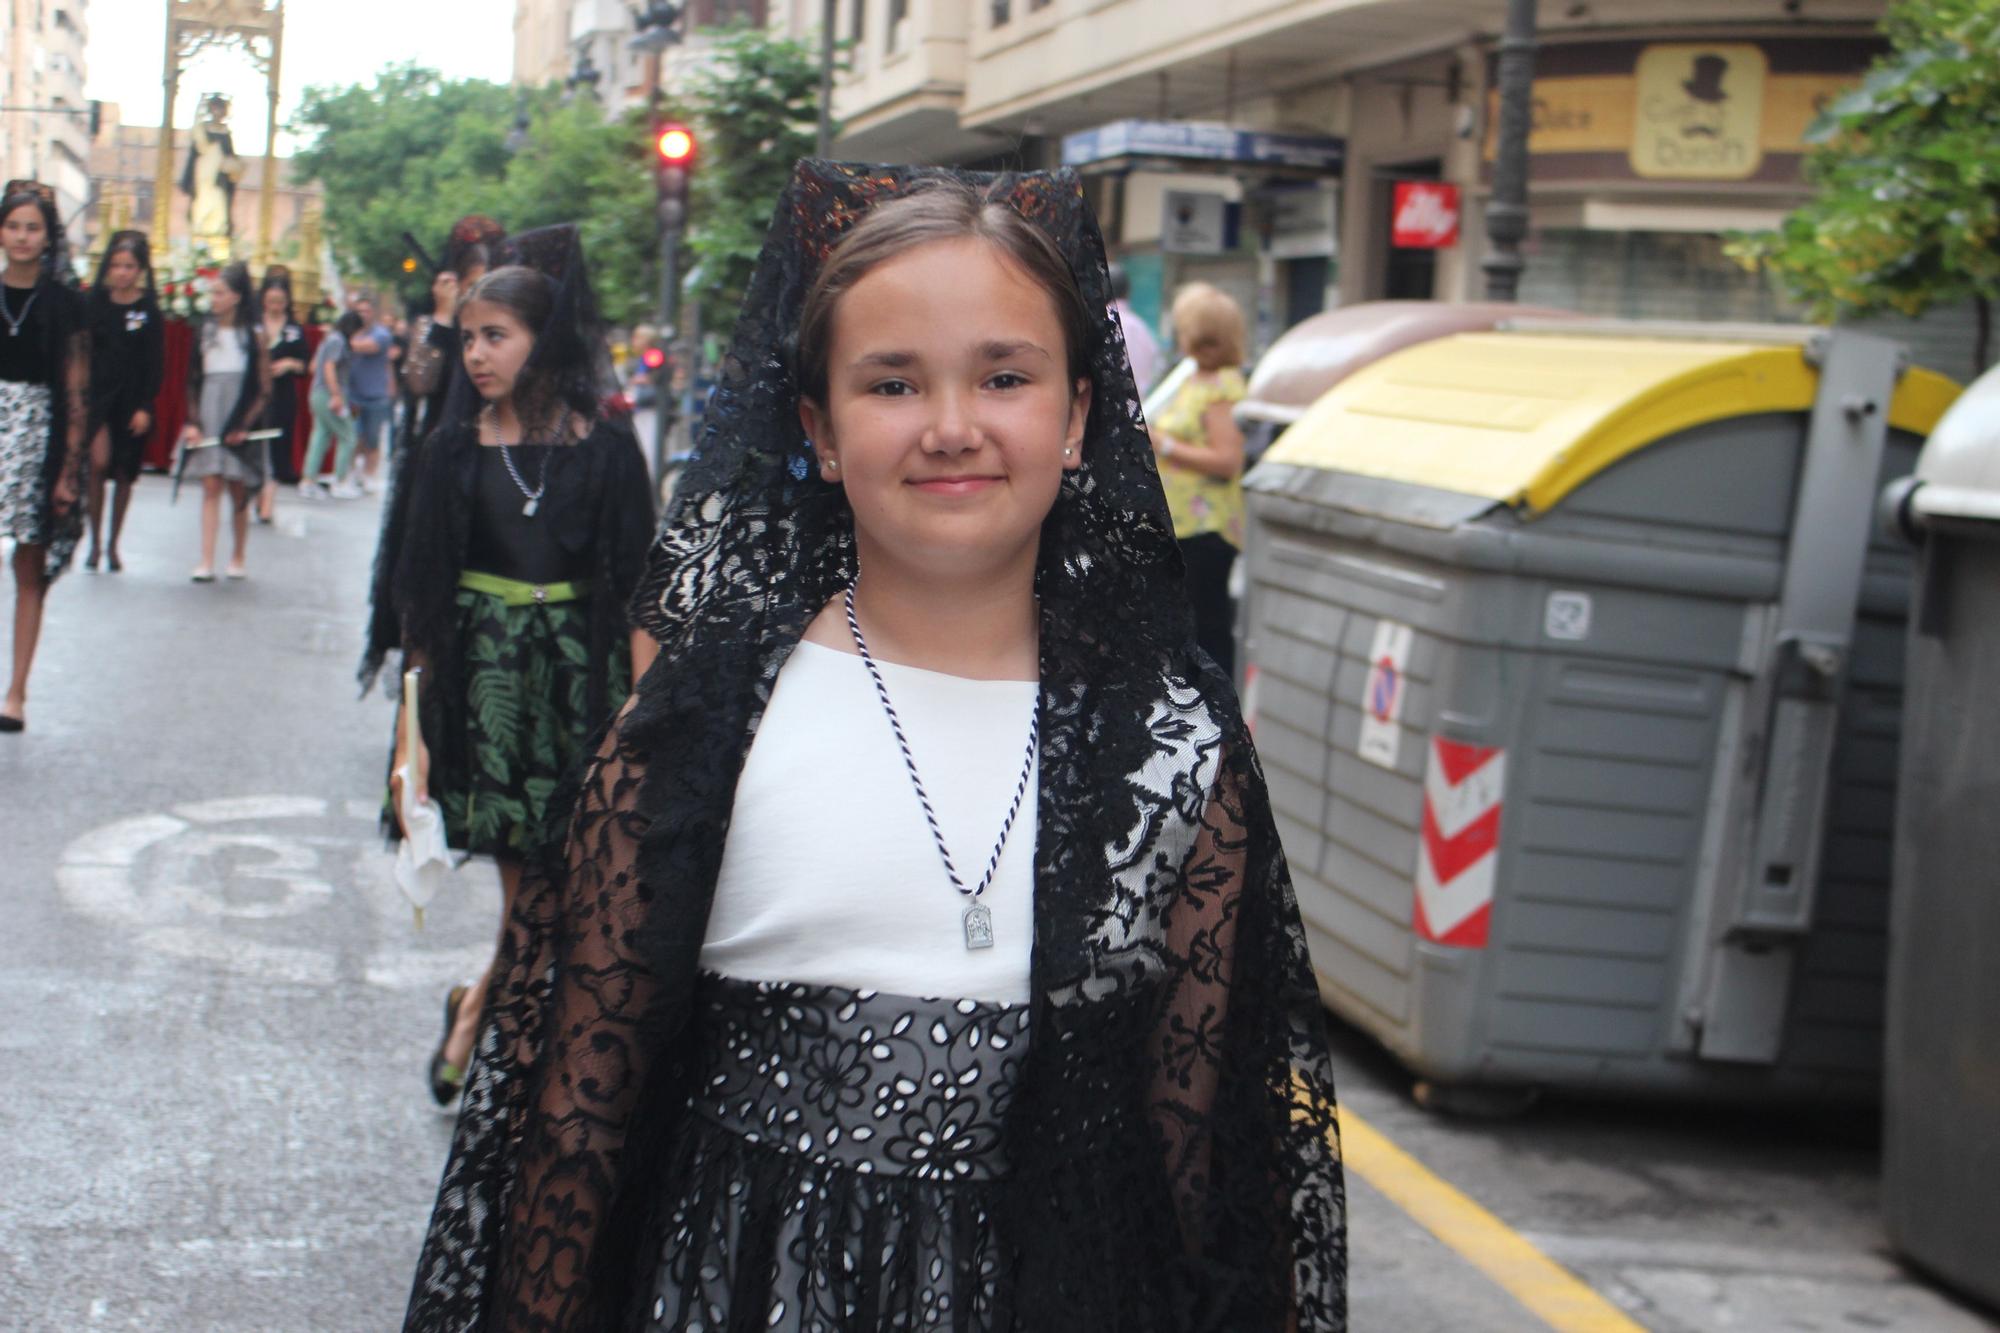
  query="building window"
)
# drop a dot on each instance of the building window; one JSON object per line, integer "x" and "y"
{"x": 1034, "y": 5}
{"x": 899, "y": 10}
{"x": 857, "y": 22}
{"x": 1002, "y": 11}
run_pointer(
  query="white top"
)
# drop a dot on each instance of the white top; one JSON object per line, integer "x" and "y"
{"x": 830, "y": 875}
{"x": 224, "y": 354}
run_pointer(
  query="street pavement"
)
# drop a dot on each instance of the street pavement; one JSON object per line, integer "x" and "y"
{"x": 215, "y": 1013}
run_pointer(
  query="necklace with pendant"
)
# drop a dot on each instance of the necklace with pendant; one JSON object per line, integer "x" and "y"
{"x": 14, "y": 322}
{"x": 978, "y": 916}
{"x": 542, "y": 480}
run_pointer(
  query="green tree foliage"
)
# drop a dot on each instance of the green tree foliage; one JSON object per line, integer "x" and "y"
{"x": 756, "y": 109}
{"x": 414, "y": 152}
{"x": 1906, "y": 205}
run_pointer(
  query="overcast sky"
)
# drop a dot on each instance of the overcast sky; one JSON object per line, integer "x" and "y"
{"x": 326, "y": 42}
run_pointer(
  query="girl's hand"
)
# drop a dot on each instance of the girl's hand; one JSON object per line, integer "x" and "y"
{"x": 338, "y": 404}
{"x": 420, "y": 770}
{"x": 234, "y": 437}
{"x": 64, "y": 498}
{"x": 141, "y": 422}
{"x": 190, "y": 434}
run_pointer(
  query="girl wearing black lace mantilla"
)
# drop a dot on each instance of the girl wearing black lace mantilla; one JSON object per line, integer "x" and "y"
{"x": 127, "y": 359}
{"x": 528, "y": 522}
{"x": 921, "y": 953}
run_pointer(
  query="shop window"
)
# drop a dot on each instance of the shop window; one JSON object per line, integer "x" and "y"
{"x": 1002, "y": 11}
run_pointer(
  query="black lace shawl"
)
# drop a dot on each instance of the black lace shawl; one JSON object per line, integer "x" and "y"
{"x": 67, "y": 450}
{"x": 1176, "y": 1165}
{"x": 605, "y": 510}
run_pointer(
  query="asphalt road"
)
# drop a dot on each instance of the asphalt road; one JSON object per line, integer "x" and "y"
{"x": 215, "y": 1012}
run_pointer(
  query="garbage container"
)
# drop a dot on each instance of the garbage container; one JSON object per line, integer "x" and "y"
{"x": 1941, "y": 1090}
{"x": 1576, "y": 681}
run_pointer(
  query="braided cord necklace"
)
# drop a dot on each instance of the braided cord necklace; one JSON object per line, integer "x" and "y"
{"x": 978, "y": 917}
{"x": 541, "y": 482}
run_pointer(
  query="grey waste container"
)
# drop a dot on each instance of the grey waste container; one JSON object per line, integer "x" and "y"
{"x": 1576, "y": 681}
{"x": 1941, "y": 1089}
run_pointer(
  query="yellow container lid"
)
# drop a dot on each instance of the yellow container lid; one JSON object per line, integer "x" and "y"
{"x": 1524, "y": 418}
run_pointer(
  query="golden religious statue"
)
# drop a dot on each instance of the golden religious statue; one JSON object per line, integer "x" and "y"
{"x": 209, "y": 179}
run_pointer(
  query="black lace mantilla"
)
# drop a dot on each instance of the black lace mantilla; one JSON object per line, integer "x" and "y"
{"x": 1173, "y": 1162}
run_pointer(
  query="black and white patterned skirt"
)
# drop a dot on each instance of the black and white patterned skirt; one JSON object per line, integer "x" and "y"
{"x": 26, "y": 413}
{"x": 839, "y": 1162}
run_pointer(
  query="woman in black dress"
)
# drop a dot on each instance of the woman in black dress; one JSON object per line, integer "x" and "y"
{"x": 529, "y": 519}
{"x": 285, "y": 345}
{"x": 127, "y": 349}
{"x": 44, "y": 414}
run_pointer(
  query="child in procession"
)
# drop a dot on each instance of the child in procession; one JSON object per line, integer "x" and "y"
{"x": 920, "y": 953}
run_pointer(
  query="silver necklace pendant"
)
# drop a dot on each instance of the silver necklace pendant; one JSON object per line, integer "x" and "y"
{"x": 978, "y": 927}
{"x": 534, "y": 503}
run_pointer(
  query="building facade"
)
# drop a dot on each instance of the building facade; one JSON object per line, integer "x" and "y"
{"x": 1273, "y": 146}
{"x": 581, "y": 43}
{"x": 45, "y": 130}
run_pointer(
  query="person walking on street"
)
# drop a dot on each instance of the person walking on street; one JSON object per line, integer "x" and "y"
{"x": 1141, "y": 346}
{"x": 127, "y": 357}
{"x": 1200, "y": 452}
{"x": 332, "y": 416}
{"x": 775, "y": 1042}
{"x": 529, "y": 520}
{"x": 285, "y": 344}
{"x": 229, "y": 383}
{"x": 44, "y": 417}
{"x": 373, "y": 398}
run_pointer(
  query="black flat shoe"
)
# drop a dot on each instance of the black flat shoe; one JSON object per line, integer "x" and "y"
{"x": 446, "y": 1077}
{"x": 114, "y": 564}
{"x": 90, "y": 563}
{"x": 10, "y": 725}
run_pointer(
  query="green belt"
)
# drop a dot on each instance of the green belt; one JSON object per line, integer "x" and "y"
{"x": 516, "y": 593}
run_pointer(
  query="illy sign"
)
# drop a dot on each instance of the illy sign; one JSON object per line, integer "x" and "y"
{"x": 1426, "y": 216}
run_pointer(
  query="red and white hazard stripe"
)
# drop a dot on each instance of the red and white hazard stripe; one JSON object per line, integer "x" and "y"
{"x": 1458, "y": 860}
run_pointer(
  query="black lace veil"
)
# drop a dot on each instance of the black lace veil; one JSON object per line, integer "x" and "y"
{"x": 1175, "y": 1156}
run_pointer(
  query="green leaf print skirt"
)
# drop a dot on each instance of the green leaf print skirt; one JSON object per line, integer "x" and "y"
{"x": 527, "y": 672}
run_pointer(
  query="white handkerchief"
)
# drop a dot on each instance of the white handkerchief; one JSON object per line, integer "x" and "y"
{"x": 423, "y": 859}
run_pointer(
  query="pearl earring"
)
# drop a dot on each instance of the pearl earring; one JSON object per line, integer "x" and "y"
{"x": 833, "y": 463}
{"x": 1068, "y": 452}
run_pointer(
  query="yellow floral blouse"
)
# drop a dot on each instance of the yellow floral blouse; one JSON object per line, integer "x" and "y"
{"x": 1201, "y": 503}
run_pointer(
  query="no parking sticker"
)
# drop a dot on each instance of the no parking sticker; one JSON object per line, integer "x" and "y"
{"x": 1382, "y": 698}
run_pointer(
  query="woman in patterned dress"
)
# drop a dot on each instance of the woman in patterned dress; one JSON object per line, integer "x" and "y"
{"x": 529, "y": 518}
{"x": 44, "y": 417}
{"x": 775, "y": 1042}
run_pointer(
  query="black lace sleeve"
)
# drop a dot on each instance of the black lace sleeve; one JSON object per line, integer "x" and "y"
{"x": 1242, "y": 1095}
{"x": 560, "y": 1065}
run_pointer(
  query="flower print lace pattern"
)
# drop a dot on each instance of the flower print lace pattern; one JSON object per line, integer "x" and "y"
{"x": 835, "y": 1170}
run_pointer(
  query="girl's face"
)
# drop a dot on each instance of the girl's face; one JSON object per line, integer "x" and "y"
{"x": 948, "y": 409}
{"x": 121, "y": 273}
{"x": 274, "y": 302}
{"x": 496, "y": 345}
{"x": 221, "y": 297}
{"x": 24, "y": 235}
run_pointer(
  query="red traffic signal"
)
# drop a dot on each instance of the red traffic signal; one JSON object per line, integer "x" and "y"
{"x": 675, "y": 144}
{"x": 652, "y": 358}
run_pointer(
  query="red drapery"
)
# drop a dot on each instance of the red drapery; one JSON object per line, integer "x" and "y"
{"x": 170, "y": 408}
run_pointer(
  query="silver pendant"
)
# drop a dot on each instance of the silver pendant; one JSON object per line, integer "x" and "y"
{"x": 530, "y": 507}
{"x": 978, "y": 927}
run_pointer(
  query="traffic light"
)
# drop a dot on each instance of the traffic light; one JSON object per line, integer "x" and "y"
{"x": 674, "y": 154}
{"x": 652, "y": 358}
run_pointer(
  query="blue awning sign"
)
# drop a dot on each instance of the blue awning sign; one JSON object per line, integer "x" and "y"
{"x": 1198, "y": 141}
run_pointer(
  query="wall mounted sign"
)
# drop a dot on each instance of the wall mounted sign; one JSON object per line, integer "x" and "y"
{"x": 1426, "y": 216}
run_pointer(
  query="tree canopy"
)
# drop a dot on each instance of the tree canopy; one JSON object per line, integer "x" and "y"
{"x": 412, "y": 151}
{"x": 1905, "y": 213}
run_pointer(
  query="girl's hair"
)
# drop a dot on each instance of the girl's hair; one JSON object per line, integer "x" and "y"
{"x": 939, "y": 210}
{"x": 131, "y": 243}
{"x": 1209, "y": 326}
{"x": 560, "y": 372}
{"x": 348, "y": 324}
{"x": 236, "y": 277}
{"x": 279, "y": 281}
{"x": 51, "y": 221}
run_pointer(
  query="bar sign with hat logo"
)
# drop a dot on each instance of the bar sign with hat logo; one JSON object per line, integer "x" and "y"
{"x": 1700, "y": 112}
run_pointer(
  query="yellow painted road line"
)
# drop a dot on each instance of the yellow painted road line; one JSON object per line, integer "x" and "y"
{"x": 1550, "y": 1292}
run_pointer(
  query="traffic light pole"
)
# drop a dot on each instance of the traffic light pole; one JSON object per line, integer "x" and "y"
{"x": 670, "y": 290}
